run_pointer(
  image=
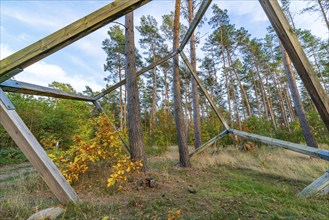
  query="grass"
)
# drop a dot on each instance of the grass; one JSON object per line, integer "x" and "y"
{"x": 230, "y": 184}
{"x": 11, "y": 156}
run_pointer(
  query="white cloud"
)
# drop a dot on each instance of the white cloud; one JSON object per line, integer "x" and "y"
{"x": 43, "y": 73}
{"x": 242, "y": 8}
{"x": 30, "y": 18}
{"x": 5, "y": 51}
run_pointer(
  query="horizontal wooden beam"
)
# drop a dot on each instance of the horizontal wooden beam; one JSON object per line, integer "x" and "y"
{"x": 204, "y": 90}
{"x": 31, "y": 148}
{"x": 197, "y": 18}
{"x": 319, "y": 186}
{"x": 298, "y": 57}
{"x": 300, "y": 148}
{"x": 208, "y": 143}
{"x": 66, "y": 36}
{"x": 27, "y": 88}
{"x": 140, "y": 72}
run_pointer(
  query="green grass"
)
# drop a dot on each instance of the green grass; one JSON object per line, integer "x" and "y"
{"x": 11, "y": 156}
{"x": 223, "y": 192}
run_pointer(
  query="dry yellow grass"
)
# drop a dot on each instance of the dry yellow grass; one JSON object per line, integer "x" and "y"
{"x": 267, "y": 160}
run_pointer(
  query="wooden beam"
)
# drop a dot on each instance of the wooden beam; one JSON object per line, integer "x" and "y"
{"x": 319, "y": 186}
{"x": 314, "y": 152}
{"x": 298, "y": 57}
{"x": 198, "y": 16}
{"x": 208, "y": 143}
{"x": 140, "y": 72}
{"x": 27, "y": 88}
{"x": 204, "y": 90}
{"x": 31, "y": 148}
{"x": 66, "y": 36}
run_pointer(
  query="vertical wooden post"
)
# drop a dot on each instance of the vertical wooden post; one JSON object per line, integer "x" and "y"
{"x": 298, "y": 57}
{"x": 31, "y": 148}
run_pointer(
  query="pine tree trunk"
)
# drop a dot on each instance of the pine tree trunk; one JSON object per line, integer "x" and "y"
{"x": 281, "y": 103}
{"x": 120, "y": 92}
{"x": 235, "y": 101}
{"x": 195, "y": 96}
{"x": 319, "y": 70}
{"x": 226, "y": 82}
{"x": 136, "y": 141}
{"x": 270, "y": 104}
{"x": 184, "y": 158}
{"x": 307, "y": 130}
{"x": 243, "y": 91}
{"x": 260, "y": 114}
{"x": 153, "y": 108}
{"x": 264, "y": 96}
{"x": 323, "y": 13}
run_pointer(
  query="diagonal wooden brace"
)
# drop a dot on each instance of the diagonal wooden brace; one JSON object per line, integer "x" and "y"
{"x": 37, "y": 156}
{"x": 204, "y": 90}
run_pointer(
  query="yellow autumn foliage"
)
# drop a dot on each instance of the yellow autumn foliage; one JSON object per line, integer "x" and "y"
{"x": 105, "y": 147}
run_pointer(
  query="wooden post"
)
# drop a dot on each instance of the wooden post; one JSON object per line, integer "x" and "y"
{"x": 65, "y": 36}
{"x": 31, "y": 148}
{"x": 319, "y": 186}
{"x": 298, "y": 57}
{"x": 205, "y": 92}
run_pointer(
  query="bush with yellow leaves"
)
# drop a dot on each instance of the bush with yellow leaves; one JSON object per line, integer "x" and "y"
{"x": 104, "y": 147}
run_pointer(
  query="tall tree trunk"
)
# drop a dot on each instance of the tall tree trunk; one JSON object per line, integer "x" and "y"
{"x": 260, "y": 114}
{"x": 323, "y": 13}
{"x": 153, "y": 107}
{"x": 120, "y": 91}
{"x": 136, "y": 141}
{"x": 226, "y": 80}
{"x": 235, "y": 101}
{"x": 124, "y": 108}
{"x": 270, "y": 104}
{"x": 281, "y": 103}
{"x": 243, "y": 91}
{"x": 307, "y": 130}
{"x": 319, "y": 69}
{"x": 264, "y": 96}
{"x": 184, "y": 158}
{"x": 195, "y": 96}
{"x": 165, "y": 72}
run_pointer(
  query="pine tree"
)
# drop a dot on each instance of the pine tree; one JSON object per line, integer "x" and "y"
{"x": 136, "y": 141}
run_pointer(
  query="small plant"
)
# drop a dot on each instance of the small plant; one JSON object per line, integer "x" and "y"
{"x": 174, "y": 214}
{"x": 105, "y": 147}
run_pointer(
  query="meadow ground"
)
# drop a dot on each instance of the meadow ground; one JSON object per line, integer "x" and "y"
{"x": 229, "y": 184}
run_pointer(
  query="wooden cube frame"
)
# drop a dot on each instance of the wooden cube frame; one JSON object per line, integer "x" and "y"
{"x": 15, "y": 63}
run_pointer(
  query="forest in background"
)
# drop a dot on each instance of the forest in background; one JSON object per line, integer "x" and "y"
{"x": 245, "y": 76}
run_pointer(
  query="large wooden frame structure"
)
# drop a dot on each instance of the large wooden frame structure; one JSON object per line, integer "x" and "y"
{"x": 15, "y": 63}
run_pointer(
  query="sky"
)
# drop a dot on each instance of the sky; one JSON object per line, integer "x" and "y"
{"x": 23, "y": 22}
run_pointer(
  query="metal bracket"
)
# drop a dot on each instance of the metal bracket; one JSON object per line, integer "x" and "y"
{"x": 6, "y": 101}
{"x": 9, "y": 74}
